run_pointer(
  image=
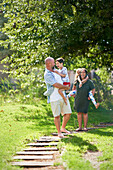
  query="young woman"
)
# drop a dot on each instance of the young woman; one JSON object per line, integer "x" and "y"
{"x": 82, "y": 99}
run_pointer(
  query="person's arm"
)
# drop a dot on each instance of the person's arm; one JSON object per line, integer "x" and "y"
{"x": 50, "y": 79}
{"x": 60, "y": 86}
{"x": 62, "y": 75}
{"x": 80, "y": 85}
{"x": 84, "y": 81}
{"x": 93, "y": 92}
{"x": 74, "y": 87}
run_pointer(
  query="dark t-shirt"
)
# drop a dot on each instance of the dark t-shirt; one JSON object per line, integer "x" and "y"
{"x": 81, "y": 98}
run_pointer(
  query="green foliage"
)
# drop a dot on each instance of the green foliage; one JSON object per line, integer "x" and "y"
{"x": 27, "y": 35}
{"x": 103, "y": 84}
{"x": 5, "y": 85}
{"x": 27, "y": 89}
{"x": 81, "y": 29}
{"x": 104, "y": 79}
{"x": 107, "y": 166}
{"x": 33, "y": 84}
{"x": 75, "y": 30}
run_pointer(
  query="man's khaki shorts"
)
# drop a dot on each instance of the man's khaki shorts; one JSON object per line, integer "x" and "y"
{"x": 59, "y": 106}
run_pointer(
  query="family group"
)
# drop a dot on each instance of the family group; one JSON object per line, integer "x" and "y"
{"x": 57, "y": 82}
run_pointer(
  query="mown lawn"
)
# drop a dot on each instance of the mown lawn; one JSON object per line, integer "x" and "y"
{"x": 22, "y": 123}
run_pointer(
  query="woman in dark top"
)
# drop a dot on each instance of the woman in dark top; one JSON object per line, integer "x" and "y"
{"x": 82, "y": 99}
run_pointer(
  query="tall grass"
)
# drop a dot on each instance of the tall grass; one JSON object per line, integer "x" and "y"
{"x": 25, "y": 120}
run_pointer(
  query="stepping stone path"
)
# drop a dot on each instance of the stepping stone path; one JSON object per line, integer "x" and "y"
{"x": 41, "y": 154}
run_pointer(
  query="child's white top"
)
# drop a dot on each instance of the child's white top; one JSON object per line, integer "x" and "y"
{"x": 64, "y": 71}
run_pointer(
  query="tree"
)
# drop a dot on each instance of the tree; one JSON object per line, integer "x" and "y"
{"x": 27, "y": 35}
{"x": 74, "y": 29}
{"x": 83, "y": 28}
{"x": 3, "y": 37}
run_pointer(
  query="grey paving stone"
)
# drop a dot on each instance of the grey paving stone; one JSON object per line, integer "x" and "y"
{"x": 36, "y": 153}
{"x": 41, "y": 149}
{"x": 33, "y": 157}
{"x": 42, "y": 144}
{"x": 33, "y": 164}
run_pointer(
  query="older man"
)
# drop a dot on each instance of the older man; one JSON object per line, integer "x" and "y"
{"x": 57, "y": 103}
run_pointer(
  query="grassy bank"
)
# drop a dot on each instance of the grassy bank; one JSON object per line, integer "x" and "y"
{"x": 94, "y": 141}
{"x": 22, "y": 123}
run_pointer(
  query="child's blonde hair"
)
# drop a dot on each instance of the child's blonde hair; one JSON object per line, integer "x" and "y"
{"x": 77, "y": 73}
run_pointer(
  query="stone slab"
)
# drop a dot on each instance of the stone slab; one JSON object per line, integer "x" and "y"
{"x": 33, "y": 164}
{"x": 52, "y": 138}
{"x": 33, "y": 157}
{"x": 47, "y": 140}
{"x": 36, "y": 153}
{"x": 56, "y": 134}
{"x": 42, "y": 149}
{"x": 42, "y": 144}
{"x": 49, "y": 137}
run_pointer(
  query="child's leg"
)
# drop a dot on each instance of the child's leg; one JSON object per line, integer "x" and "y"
{"x": 64, "y": 98}
{"x": 93, "y": 100}
{"x": 71, "y": 93}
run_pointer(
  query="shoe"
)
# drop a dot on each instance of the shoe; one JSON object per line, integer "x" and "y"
{"x": 67, "y": 132}
{"x": 78, "y": 130}
{"x": 85, "y": 129}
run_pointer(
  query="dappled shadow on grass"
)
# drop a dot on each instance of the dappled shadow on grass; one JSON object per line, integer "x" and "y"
{"x": 42, "y": 122}
{"x": 39, "y": 120}
{"x": 102, "y": 132}
{"x": 33, "y": 116}
{"x": 78, "y": 141}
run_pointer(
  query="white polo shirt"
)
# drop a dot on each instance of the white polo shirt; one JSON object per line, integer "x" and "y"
{"x": 55, "y": 95}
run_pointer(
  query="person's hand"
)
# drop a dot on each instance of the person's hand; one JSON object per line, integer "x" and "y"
{"x": 55, "y": 71}
{"x": 80, "y": 85}
{"x": 67, "y": 87}
{"x": 88, "y": 98}
{"x": 65, "y": 100}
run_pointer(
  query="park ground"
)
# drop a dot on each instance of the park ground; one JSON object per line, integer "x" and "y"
{"x": 23, "y": 123}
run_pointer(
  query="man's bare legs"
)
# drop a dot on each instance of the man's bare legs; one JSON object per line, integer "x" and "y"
{"x": 57, "y": 124}
{"x": 79, "y": 117}
{"x": 66, "y": 117}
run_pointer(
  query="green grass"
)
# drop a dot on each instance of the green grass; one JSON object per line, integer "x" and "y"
{"x": 95, "y": 140}
{"x": 23, "y": 123}
{"x": 20, "y": 124}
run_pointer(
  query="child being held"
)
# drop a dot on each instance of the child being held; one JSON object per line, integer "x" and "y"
{"x": 64, "y": 76}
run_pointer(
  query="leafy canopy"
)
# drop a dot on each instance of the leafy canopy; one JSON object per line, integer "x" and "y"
{"x": 80, "y": 31}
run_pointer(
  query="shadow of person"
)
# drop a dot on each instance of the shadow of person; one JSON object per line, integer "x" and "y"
{"x": 103, "y": 131}
{"x": 78, "y": 141}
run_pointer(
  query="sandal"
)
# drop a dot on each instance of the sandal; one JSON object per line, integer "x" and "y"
{"x": 65, "y": 131}
{"x": 78, "y": 130}
{"x": 85, "y": 129}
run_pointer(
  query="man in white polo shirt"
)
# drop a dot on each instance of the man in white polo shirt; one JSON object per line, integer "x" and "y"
{"x": 57, "y": 103}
